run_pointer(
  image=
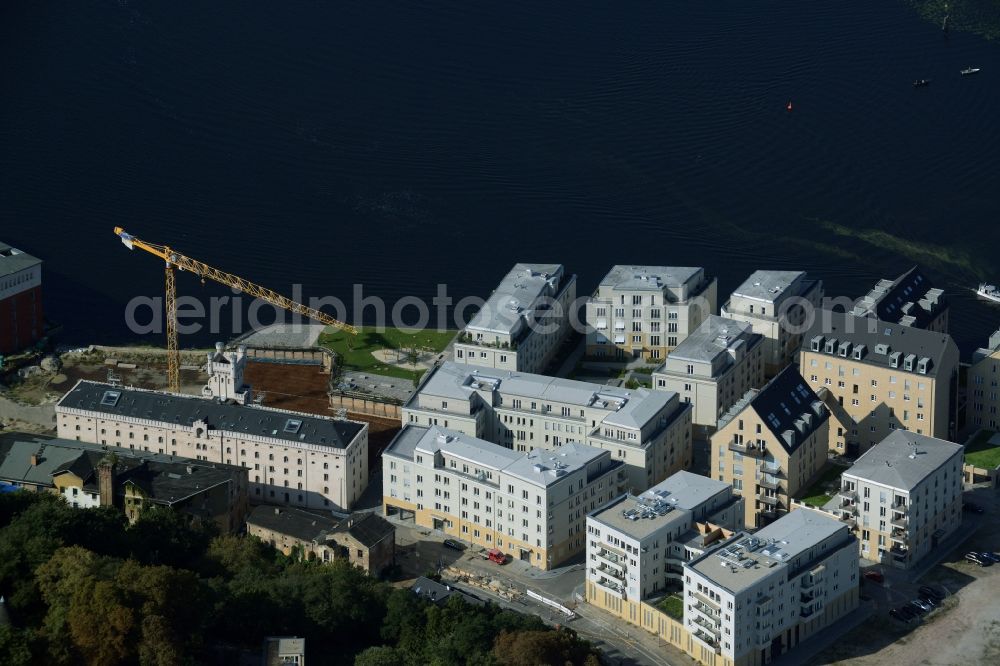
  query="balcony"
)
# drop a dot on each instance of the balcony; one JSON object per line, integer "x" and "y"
{"x": 848, "y": 494}
{"x": 752, "y": 449}
{"x": 899, "y": 552}
{"x": 711, "y": 627}
{"x": 900, "y": 536}
{"x": 707, "y": 611}
{"x": 773, "y": 469}
{"x": 611, "y": 585}
{"x": 900, "y": 522}
{"x": 613, "y": 558}
{"x": 714, "y": 605}
{"x": 770, "y": 500}
{"x": 806, "y": 612}
{"x": 706, "y": 637}
{"x": 611, "y": 571}
{"x": 770, "y": 484}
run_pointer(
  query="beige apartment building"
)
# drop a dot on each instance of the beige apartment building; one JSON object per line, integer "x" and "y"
{"x": 645, "y": 311}
{"x": 771, "y": 445}
{"x": 637, "y": 545}
{"x": 713, "y": 368}
{"x": 776, "y": 303}
{"x": 909, "y": 300}
{"x": 523, "y": 321}
{"x": 880, "y": 377}
{"x": 531, "y": 506}
{"x": 292, "y": 458}
{"x": 757, "y": 597}
{"x": 649, "y": 431}
{"x": 903, "y": 497}
{"x": 983, "y": 396}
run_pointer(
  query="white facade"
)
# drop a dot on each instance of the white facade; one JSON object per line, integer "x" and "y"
{"x": 713, "y": 368}
{"x": 650, "y": 431}
{"x": 636, "y": 544}
{"x": 776, "y": 303}
{"x": 645, "y": 311}
{"x": 755, "y": 597}
{"x": 533, "y": 505}
{"x": 225, "y": 375}
{"x": 903, "y": 497}
{"x": 294, "y": 458}
{"x": 523, "y": 322}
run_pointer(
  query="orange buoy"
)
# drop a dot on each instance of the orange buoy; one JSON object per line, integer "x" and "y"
{"x": 789, "y": 106}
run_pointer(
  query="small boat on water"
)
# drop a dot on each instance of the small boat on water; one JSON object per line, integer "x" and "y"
{"x": 989, "y": 291}
{"x": 969, "y": 70}
{"x": 921, "y": 83}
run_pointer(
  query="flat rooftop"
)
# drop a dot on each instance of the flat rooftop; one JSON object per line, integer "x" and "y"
{"x": 516, "y": 296}
{"x": 745, "y": 559}
{"x": 713, "y": 338}
{"x": 185, "y": 410}
{"x": 649, "y": 278}
{"x": 903, "y": 459}
{"x": 13, "y": 260}
{"x": 768, "y": 286}
{"x": 667, "y": 503}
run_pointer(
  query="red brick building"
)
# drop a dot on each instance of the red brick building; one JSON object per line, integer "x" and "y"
{"x": 21, "y": 317}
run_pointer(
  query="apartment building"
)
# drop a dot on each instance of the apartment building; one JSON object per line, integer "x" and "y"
{"x": 880, "y": 377}
{"x": 645, "y": 311}
{"x": 771, "y": 445}
{"x": 88, "y": 475}
{"x": 776, "y": 303}
{"x": 22, "y": 322}
{"x": 983, "y": 395}
{"x": 649, "y": 431}
{"x": 637, "y": 545}
{"x": 909, "y": 300}
{"x": 903, "y": 497}
{"x": 523, "y": 321}
{"x": 713, "y": 368}
{"x": 532, "y": 506}
{"x": 756, "y": 597}
{"x": 292, "y": 458}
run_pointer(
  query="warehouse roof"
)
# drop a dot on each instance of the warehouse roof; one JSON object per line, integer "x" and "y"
{"x": 13, "y": 260}
{"x": 184, "y": 410}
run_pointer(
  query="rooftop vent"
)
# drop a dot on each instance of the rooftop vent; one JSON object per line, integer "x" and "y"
{"x": 110, "y": 398}
{"x": 882, "y": 349}
{"x": 292, "y": 426}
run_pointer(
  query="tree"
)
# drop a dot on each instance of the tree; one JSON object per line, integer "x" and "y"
{"x": 15, "y": 646}
{"x": 527, "y": 648}
{"x": 381, "y": 655}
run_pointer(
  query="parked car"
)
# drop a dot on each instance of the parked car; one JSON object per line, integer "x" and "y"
{"x": 874, "y": 576}
{"x": 931, "y": 592}
{"x": 495, "y": 555}
{"x": 973, "y": 508}
{"x": 454, "y": 545}
{"x": 896, "y": 615}
{"x": 993, "y": 557}
{"x": 975, "y": 559}
{"x": 907, "y": 612}
{"x": 928, "y": 600}
{"x": 919, "y": 606}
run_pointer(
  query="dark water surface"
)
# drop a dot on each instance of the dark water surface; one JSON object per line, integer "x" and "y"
{"x": 402, "y": 144}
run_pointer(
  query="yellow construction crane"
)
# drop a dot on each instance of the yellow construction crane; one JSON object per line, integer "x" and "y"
{"x": 176, "y": 261}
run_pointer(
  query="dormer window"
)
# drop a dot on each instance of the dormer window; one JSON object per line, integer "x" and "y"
{"x": 831, "y": 346}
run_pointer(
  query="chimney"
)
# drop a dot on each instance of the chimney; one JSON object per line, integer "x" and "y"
{"x": 277, "y": 511}
{"x": 190, "y": 469}
{"x": 106, "y": 481}
{"x": 34, "y": 459}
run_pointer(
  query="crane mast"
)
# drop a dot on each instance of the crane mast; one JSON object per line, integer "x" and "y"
{"x": 174, "y": 261}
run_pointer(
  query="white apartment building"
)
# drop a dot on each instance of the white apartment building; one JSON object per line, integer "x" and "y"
{"x": 756, "y": 597}
{"x": 775, "y": 303}
{"x": 292, "y": 458}
{"x": 713, "y": 368}
{"x": 532, "y": 506}
{"x": 636, "y": 545}
{"x": 649, "y": 431}
{"x": 523, "y": 322}
{"x": 903, "y": 497}
{"x": 645, "y": 311}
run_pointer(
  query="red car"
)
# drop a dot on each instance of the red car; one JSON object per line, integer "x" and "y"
{"x": 874, "y": 577}
{"x": 496, "y": 556}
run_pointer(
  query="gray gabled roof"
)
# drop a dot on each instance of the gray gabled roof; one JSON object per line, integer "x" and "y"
{"x": 185, "y": 410}
{"x": 13, "y": 260}
{"x": 714, "y": 337}
{"x": 516, "y": 297}
{"x": 297, "y": 523}
{"x": 903, "y": 459}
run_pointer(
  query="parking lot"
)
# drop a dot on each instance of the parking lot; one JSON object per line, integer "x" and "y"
{"x": 963, "y": 629}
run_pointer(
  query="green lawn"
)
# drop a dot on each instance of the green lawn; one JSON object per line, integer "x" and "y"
{"x": 980, "y": 452}
{"x": 355, "y": 351}
{"x": 819, "y": 493}
{"x": 673, "y": 606}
